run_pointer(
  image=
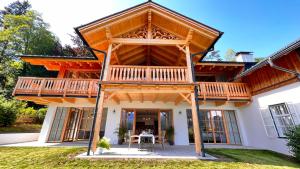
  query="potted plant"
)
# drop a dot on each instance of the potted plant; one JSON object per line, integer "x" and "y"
{"x": 121, "y": 132}
{"x": 170, "y": 135}
{"x": 104, "y": 143}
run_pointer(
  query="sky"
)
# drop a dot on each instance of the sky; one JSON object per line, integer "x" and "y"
{"x": 260, "y": 26}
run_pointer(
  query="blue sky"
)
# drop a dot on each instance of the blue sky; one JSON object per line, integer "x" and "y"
{"x": 261, "y": 26}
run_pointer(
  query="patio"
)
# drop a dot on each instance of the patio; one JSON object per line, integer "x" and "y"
{"x": 123, "y": 152}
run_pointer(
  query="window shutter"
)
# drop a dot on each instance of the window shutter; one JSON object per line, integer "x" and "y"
{"x": 294, "y": 113}
{"x": 268, "y": 122}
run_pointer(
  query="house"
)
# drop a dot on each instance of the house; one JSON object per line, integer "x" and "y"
{"x": 148, "y": 64}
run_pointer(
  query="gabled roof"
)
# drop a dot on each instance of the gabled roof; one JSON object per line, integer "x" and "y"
{"x": 94, "y": 34}
{"x": 282, "y": 52}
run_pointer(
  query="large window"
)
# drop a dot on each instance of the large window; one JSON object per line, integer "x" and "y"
{"x": 57, "y": 124}
{"x": 282, "y": 118}
{"x": 217, "y": 126}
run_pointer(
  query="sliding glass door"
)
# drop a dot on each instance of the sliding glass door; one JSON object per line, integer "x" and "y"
{"x": 218, "y": 126}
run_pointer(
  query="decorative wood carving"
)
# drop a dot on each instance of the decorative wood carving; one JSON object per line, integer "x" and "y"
{"x": 157, "y": 33}
{"x": 140, "y": 33}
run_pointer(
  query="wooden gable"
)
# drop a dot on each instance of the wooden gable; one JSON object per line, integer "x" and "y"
{"x": 131, "y": 27}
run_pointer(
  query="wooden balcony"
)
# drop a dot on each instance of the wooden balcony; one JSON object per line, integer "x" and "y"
{"x": 62, "y": 87}
{"x": 148, "y": 74}
{"x": 56, "y": 87}
{"x": 223, "y": 90}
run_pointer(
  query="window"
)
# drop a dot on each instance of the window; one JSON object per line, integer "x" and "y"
{"x": 57, "y": 125}
{"x": 218, "y": 126}
{"x": 282, "y": 118}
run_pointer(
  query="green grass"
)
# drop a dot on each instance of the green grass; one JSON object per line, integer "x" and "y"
{"x": 22, "y": 128}
{"x": 63, "y": 157}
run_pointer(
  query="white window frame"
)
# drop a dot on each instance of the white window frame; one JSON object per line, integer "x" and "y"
{"x": 275, "y": 118}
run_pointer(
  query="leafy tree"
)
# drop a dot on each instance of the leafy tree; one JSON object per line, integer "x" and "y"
{"x": 15, "y": 8}
{"x": 213, "y": 56}
{"x": 259, "y": 59}
{"x": 293, "y": 137}
{"x": 79, "y": 48}
{"x": 230, "y": 55}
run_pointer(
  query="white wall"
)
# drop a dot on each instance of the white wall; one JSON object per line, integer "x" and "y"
{"x": 114, "y": 114}
{"x": 253, "y": 123}
{"x": 47, "y": 124}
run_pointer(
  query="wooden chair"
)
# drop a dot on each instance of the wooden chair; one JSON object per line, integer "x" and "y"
{"x": 162, "y": 139}
{"x": 132, "y": 138}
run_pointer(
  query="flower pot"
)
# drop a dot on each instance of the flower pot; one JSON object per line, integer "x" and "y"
{"x": 99, "y": 150}
{"x": 171, "y": 142}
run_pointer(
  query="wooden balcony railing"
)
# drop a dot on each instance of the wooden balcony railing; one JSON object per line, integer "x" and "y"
{"x": 159, "y": 74}
{"x": 60, "y": 87}
{"x": 223, "y": 90}
{"x": 56, "y": 87}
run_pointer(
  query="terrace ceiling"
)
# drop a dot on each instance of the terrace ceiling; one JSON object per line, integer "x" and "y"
{"x": 148, "y": 34}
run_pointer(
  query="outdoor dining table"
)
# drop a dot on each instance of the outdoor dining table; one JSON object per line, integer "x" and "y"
{"x": 146, "y": 135}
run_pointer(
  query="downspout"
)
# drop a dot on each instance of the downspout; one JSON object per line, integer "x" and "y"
{"x": 197, "y": 97}
{"x": 282, "y": 68}
{"x": 97, "y": 99}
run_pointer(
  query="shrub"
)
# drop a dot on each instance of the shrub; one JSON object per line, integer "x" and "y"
{"x": 104, "y": 143}
{"x": 293, "y": 136}
{"x": 41, "y": 113}
{"x": 8, "y": 111}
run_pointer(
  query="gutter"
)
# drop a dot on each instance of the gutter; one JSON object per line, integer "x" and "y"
{"x": 283, "y": 69}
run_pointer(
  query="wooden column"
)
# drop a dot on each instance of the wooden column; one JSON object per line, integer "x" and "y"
{"x": 61, "y": 72}
{"x": 196, "y": 125}
{"x": 188, "y": 63}
{"x": 159, "y": 125}
{"x": 98, "y": 121}
{"x": 107, "y": 63}
{"x": 134, "y": 122}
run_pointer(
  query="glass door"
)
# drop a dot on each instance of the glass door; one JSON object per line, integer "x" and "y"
{"x": 72, "y": 125}
{"x": 218, "y": 126}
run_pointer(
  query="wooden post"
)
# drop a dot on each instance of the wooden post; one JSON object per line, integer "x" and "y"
{"x": 107, "y": 63}
{"x": 61, "y": 72}
{"x": 196, "y": 125}
{"x": 188, "y": 63}
{"x": 134, "y": 122}
{"x": 159, "y": 125}
{"x": 98, "y": 122}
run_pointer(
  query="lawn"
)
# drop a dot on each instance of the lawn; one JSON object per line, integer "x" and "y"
{"x": 63, "y": 157}
{"x": 22, "y": 128}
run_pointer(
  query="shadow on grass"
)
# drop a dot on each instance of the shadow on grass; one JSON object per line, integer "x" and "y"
{"x": 262, "y": 157}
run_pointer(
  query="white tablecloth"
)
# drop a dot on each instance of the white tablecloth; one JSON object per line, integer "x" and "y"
{"x": 145, "y": 136}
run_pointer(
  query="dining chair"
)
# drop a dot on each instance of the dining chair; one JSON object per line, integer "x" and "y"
{"x": 132, "y": 138}
{"x": 162, "y": 139}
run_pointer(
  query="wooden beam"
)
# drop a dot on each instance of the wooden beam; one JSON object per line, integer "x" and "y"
{"x": 98, "y": 122}
{"x": 185, "y": 97}
{"x": 189, "y": 37}
{"x": 129, "y": 98}
{"x": 178, "y": 99}
{"x": 142, "y": 97}
{"x": 196, "y": 125}
{"x": 116, "y": 47}
{"x": 108, "y": 58}
{"x": 241, "y": 104}
{"x": 220, "y": 103}
{"x": 116, "y": 99}
{"x": 155, "y": 97}
{"x": 188, "y": 63}
{"x": 149, "y": 31}
{"x": 69, "y": 100}
{"x": 163, "y": 42}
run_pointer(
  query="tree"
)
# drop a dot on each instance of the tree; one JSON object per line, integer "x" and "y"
{"x": 258, "y": 59}
{"x": 213, "y": 56}
{"x": 79, "y": 48}
{"x": 230, "y": 55}
{"x": 22, "y": 31}
{"x": 15, "y": 8}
